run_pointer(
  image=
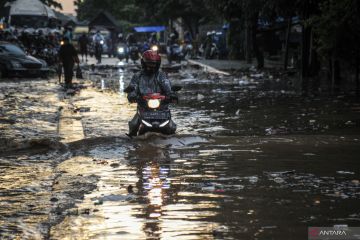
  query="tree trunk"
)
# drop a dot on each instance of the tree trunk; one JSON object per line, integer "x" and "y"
{"x": 234, "y": 41}
{"x": 337, "y": 72}
{"x": 335, "y": 75}
{"x": 288, "y": 31}
{"x": 193, "y": 25}
{"x": 357, "y": 80}
{"x": 305, "y": 55}
{"x": 332, "y": 75}
{"x": 248, "y": 41}
{"x": 305, "y": 47}
{"x": 257, "y": 49}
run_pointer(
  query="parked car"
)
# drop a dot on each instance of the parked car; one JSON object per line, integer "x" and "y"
{"x": 15, "y": 62}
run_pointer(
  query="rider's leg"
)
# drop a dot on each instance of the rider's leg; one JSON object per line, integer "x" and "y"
{"x": 134, "y": 125}
{"x": 171, "y": 128}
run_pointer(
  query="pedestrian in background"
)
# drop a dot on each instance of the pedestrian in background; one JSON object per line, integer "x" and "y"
{"x": 83, "y": 44}
{"x": 68, "y": 57}
{"x": 68, "y": 34}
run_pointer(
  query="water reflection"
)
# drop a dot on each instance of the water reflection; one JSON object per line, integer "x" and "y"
{"x": 189, "y": 187}
{"x": 121, "y": 81}
{"x": 152, "y": 184}
{"x": 168, "y": 212}
{"x": 102, "y": 84}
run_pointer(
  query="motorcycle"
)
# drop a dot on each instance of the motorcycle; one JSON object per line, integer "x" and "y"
{"x": 154, "y": 48}
{"x": 174, "y": 53}
{"x": 154, "y": 114}
{"x": 99, "y": 50}
{"x": 212, "y": 52}
{"x": 122, "y": 52}
{"x": 187, "y": 51}
{"x": 49, "y": 55}
{"x": 134, "y": 53}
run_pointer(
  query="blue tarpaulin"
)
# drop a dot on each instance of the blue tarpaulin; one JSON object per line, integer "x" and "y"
{"x": 150, "y": 29}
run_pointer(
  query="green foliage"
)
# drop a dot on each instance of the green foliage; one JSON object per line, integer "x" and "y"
{"x": 126, "y": 11}
{"x": 193, "y": 12}
{"x": 52, "y": 3}
{"x": 147, "y": 12}
{"x": 337, "y": 28}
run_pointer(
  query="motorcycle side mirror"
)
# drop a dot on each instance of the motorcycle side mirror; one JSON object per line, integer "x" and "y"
{"x": 176, "y": 88}
{"x": 129, "y": 89}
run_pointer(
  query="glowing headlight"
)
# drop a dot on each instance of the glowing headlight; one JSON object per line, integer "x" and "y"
{"x": 154, "y": 48}
{"x": 153, "y": 103}
{"x": 101, "y": 42}
{"x": 62, "y": 43}
{"x": 121, "y": 50}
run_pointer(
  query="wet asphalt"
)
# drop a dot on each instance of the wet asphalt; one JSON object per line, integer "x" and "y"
{"x": 251, "y": 160}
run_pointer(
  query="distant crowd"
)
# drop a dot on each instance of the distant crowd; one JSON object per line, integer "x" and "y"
{"x": 38, "y": 43}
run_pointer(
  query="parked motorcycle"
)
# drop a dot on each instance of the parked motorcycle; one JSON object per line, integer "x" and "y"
{"x": 49, "y": 55}
{"x": 174, "y": 53}
{"x": 212, "y": 52}
{"x": 153, "y": 111}
{"x": 187, "y": 51}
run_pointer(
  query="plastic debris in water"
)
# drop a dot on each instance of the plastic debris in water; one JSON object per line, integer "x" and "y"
{"x": 279, "y": 180}
{"x": 253, "y": 179}
{"x": 345, "y": 172}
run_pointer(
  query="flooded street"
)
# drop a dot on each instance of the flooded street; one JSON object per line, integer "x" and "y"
{"x": 250, "y": 160}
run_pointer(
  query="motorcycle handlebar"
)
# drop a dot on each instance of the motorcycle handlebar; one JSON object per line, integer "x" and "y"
{"x": 167, "y": 99}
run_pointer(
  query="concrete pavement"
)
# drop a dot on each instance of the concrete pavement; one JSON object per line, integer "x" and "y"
{"x": 225, "y": 67}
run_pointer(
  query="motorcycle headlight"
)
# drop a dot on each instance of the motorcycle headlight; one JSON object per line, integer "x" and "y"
{"x": 16, "y": 64}
{"x": 153, "y": 103}
{"x": 155, "y": 48}
{"x": 62, "y": 43}
{"x": 101, "y": 42}
{"x": 121, "y": 50}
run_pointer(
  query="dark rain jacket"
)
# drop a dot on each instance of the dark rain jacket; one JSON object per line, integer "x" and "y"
{"x": 144, "y": 84}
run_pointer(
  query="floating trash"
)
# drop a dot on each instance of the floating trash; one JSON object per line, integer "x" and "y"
{"x": 345, "y": 172}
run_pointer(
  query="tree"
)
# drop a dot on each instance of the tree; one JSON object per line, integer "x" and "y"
{"x": 53, "y": 3}
{"x": 124, "y": 10}
{"x": 242, "y": 16}
{"x": 192, "y": 12}
{"x": 287, "y": 10}
{"x": 337, "y": 36}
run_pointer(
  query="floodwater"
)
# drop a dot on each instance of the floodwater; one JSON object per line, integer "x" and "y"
{"x": 249, "y": 161}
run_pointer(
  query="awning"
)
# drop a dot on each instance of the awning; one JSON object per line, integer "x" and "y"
{"x": 50, "y": 12}
{"x": 150, "y": 29}
{"x": 30, "y": 8}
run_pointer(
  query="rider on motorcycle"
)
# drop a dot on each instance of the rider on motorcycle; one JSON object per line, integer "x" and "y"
{"x": 149, "y": 80}
{"x": 98, "y": 41}
{"x": 131, "y": 39}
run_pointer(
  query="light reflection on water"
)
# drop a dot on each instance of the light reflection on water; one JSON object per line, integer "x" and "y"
{"x": 198, "y": 187}
{"x": 182, "y": 194}
{"x": 151, "y": 211}
{"x": 121, "y": 81}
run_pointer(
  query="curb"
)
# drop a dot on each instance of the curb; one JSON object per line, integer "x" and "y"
{"x": 208, "y": 68}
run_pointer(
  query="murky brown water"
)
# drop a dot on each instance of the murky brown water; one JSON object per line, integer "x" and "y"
{"x": 245, "y": 164}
